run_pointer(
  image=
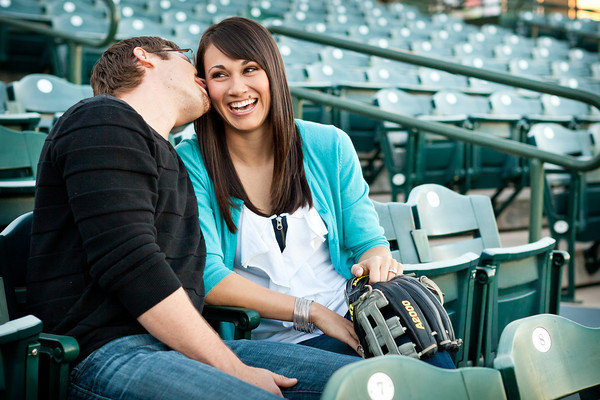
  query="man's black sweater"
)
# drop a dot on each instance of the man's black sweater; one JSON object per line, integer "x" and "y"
{"x": 115, "y": 225}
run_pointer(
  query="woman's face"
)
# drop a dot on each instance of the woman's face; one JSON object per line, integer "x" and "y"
{"x": 239, "y": 91}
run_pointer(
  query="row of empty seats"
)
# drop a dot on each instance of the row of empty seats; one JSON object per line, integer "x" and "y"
{"x": 392, "y": 26}
{"x": 536, "y": 360}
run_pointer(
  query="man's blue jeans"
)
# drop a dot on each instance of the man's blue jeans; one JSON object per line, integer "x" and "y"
{"x": 141, "y": 367}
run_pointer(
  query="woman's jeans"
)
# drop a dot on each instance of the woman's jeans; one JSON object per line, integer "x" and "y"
{"x": 441, "y": 359}
{"x": 141, "y": 367}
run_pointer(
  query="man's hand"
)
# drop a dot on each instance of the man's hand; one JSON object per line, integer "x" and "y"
{"x": 334, "y": 325}
{"x": 378, "y": 267}
{"x": 264, "y": 379}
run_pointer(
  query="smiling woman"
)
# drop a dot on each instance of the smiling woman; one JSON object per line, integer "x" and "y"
{"x": 283, "y": 206}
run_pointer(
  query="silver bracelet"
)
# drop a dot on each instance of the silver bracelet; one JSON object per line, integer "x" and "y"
{"x": 302, "y": 316}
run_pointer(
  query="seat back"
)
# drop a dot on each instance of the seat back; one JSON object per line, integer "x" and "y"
{"x": 19, "y": 154}
{"x": 509, "y": 103}
{"x": 47, "y": 94}
{"x": 421, "y": 157}
{"x": 548, "y": 357}
{"x": 571, "y": 198}
{"x": 397, "y": 377}
{"x": 454, "y": 224}
{"x": 14, "y": 252}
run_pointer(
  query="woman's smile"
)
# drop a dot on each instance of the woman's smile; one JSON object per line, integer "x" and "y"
{"x": 243, "y": 107}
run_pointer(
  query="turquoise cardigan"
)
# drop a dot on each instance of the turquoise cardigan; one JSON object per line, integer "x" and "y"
{"x": 340, "y": 196}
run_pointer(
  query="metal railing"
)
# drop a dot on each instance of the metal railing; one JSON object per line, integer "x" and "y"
{"x": 75, "y": 43}
{"x": 536, "y": 156}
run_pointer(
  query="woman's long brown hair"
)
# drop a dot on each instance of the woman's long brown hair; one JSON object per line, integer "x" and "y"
{"x": 243, "y": 39}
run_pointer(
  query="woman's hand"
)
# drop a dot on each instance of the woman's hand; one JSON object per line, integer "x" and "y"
{"x": 334, "y": 325}
{"x": 379, "y": 267}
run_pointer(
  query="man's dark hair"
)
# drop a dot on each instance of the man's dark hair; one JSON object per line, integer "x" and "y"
{"x": 116, "y": 71}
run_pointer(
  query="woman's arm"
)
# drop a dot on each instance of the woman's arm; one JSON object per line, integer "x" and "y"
{"x": 235, "y": 290}
{"x": 362, "y": 233}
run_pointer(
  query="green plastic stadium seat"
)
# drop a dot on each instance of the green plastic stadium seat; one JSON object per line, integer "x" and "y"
{"x": 435, "y": 80}
{"x": 561, "y": 68}
{"x": 509, "y": 51}
{"x": 412, "y": 157}
{"x": 142, "y": 26}
{"x": 397, "y": 377}
{"x": 54, "y": 353}
{"x": 529, "y": 68}
{"x": 467, "y": 49}
{"x": 335, "y": 74}
{"x": 46, "y": 94}
{"x": 549, "y": 357}
{"x": 572, "y": 110}
{"x": 572, "y": 200}
{"x": 512, "y": 282}
{"x": 19, "y": 154}
{"x": 455, "y": 276}
{"x": 485, "y": 168}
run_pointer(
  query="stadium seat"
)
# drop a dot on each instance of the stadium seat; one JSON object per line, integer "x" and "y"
{"x": 398, "y": 377}
{"x": 429, "y": 49}
{"x": 413, "y": 157}
{"x": 390, "y": 77}
{"x": 296, "y": 74}
{"x": 569, "y": 109}
{"x": 45, "y": 94}
{"x": 485, "y": 168}
{"x": 510, "y": 105}
{"x": 467, "y": 49}
{"x": 30, "y": 9}
{"x": 434, "y": 80}
{"x": 455, "y": 276}
{"x": 529, "y": 68}
{"x": 81, "y": 24}
{"x": 52, "y": 353}
{"x": 549, "y": 357}
{"x": 19, "y": 154}
{"x": 583, "y": 56}
{"x": 345, "y": 58}
{"x": 572, "y": 200}
{"x": 589, "y": 84}
{"x": 64, "y": 7}
{"x": 142, "y": 26}
{"x": 511, "y": 51}
{"x": 335, "y": 74}
{"x": 511, "y": 282}
{"x": 297, "y": 54}
{"x": 562, "y": 68}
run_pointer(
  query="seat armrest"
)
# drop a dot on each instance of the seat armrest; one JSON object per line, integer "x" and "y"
{"x": 244, "y": 319}
{"x": 21, "y": 328}
{"x": 443, "y": 266}
{"x": 518, "y": 252}
{"x": 60, "y": 349}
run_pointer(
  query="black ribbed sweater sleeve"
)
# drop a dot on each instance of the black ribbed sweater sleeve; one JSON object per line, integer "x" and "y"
{"x": 111, "y": 179}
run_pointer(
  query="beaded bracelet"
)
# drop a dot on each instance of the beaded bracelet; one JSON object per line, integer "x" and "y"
{"x": 302, "y": 316}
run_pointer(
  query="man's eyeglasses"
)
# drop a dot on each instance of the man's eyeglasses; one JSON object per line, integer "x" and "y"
{"x": 189, "y": 53}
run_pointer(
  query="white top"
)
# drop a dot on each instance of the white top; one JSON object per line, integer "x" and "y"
{"x": 303, "y": 269}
